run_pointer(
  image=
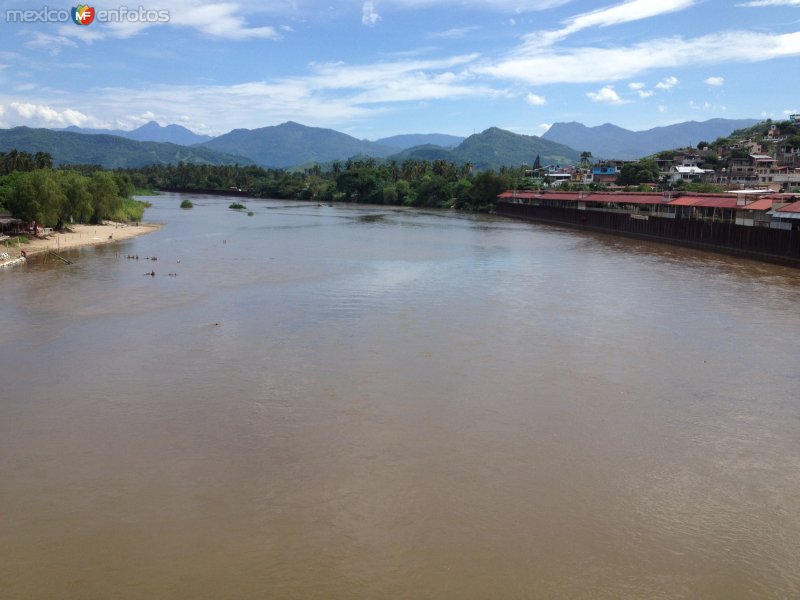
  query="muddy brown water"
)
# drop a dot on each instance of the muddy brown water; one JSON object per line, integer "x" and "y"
{"x": 368, "y": 402}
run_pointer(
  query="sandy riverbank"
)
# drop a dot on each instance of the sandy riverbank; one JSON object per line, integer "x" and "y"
{"x": 85, "y": 235}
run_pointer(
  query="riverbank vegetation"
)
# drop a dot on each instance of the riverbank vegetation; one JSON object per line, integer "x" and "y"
{"x": 31, "y": 190}
{"x": 435, "y": 184}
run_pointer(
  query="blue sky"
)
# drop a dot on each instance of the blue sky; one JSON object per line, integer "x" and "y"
{"x": 383, "y": 67}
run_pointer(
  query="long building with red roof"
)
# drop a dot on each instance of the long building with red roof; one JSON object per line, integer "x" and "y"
{"x": 758, "y": 223}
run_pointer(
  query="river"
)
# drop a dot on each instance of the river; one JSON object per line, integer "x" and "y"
{"x": 374, "y": 402}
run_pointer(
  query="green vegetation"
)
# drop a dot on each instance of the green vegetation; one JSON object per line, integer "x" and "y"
{"x": 186, "y": 203}
{"x": 13, "y": 241}
{"x": 237, "y": 206}
{"x": 698, "y": 186}
{"x": 32, "y": 191}
{"x": 494, "y": 149}
{"x": 436, "y": 184}
{"x": 145, "y": 192}
{"x": 289, "y": 144}
{"x": 636, "y": 173}
{"x": 129, "y": 210}
{"x": 108, "y": 151}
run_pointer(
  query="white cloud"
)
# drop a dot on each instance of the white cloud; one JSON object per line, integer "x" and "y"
{"x": 375, "y": 76}
{"x": 535, "y": 100}
{"x": 662, "y": 108}
{"x": 639, "y": 89}
{"x": 605, "y": 95}
{"x": 624, "y": 12}
{"x": 760, "y": 3}
{"x": 53, "y": 43}
{"x": 221, "y": 20}
{"x": 668, "y": 83}
{"x": 368, "y": 15}
{"x": 44, "y": 115}
{"x": 596, "y": 64}
{"x": 497, "y": 5}
{"x": 331, "y": 94}
{"x": 455, "y": 33}
{"x": 545, "y": 126}
{"x": 715, "y": 81}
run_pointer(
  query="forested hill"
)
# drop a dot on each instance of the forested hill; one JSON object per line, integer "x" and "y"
{"x": 109, "y": 151}
{"x": 150, "y": 132}
{"x": 614, "y": 142}
{"x": 495, "y": 148}
{"x": 291, "y": 144}
{"x": 409, "y": 140}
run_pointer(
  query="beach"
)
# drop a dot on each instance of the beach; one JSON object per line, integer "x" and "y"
{"x": 82, "y": 235}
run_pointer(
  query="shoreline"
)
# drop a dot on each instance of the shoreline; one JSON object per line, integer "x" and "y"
{"x": 81, "y": 236}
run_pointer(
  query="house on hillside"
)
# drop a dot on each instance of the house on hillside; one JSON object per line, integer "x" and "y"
{"x": 689, "y": 174}
{"x": 788, "y": 155}
{"x": 606, "y": 171}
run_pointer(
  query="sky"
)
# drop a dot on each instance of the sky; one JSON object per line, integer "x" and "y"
{"x": 378, "y": 68}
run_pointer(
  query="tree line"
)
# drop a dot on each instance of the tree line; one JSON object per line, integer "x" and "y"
{"x": 435, "y": 184}
{"x": 31, "y": 190}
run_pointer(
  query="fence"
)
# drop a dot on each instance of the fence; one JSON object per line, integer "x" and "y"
{"x": 762, "y": 243}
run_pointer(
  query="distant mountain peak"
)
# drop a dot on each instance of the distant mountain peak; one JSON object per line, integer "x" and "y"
{"x": 290, "y": 144}
{"x": 110, "y": 151}
{"x": 149, "y": 132}
{"x": 614, "y": 142}
{"x": 410, "y": 140}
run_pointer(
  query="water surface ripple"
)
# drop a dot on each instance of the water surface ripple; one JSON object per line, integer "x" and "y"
{"x": 373, "y": 402}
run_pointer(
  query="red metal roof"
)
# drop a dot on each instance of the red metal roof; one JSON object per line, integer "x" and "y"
{"x": 699, "y": 200}
{"x": 519, "y": 194}
{"x": 794, "y": 207}
{"x": 762, "y": 204}
{"x": 705, "y": 201}
{"x": 564, "y": 196}
{"x": 627, "y": 198}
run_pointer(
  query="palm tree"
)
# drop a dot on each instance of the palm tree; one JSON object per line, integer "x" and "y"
{"x": 43, "y": 160}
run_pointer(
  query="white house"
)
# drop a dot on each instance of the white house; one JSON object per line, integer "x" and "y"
{"x": 688, "y": 174}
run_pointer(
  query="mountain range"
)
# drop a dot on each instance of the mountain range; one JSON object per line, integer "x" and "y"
{"x": 410, "y": 140}
{"x": 112, "y": 152}
{"x": 610, "y": 141}
{"x": 292, "y": 145}
{"x": 495, "y": 148}
{"x": 150, "y": 132}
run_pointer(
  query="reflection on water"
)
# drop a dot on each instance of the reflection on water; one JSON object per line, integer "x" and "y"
{"x": 346, "y": 402}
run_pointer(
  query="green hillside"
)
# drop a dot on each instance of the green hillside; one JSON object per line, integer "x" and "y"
{"x": 291, "y": 144}
{"x": 109, "y": 151}
{"x": 495, "y": 148}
